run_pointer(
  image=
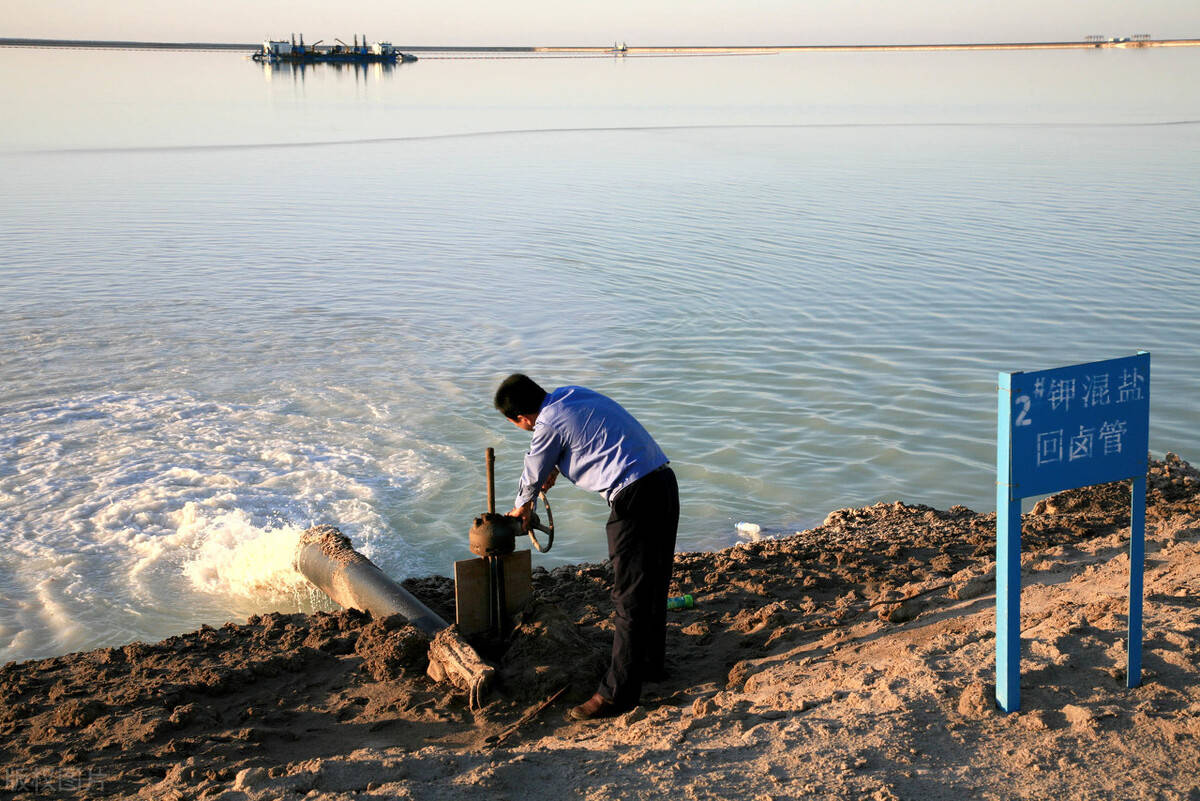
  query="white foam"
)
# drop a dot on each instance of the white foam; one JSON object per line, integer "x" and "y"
{"x": 235, "y": 557}
{"x": 149, "y": 514}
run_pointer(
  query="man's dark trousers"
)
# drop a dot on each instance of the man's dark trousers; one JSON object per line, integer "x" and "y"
{"x": 641, "y": 545}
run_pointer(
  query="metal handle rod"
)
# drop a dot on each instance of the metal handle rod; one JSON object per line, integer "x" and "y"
{"x": 498, "y": 603}
{"x": 491, "y": 479}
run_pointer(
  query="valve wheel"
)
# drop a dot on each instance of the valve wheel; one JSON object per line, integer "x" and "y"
{"x": 535, "y": 524}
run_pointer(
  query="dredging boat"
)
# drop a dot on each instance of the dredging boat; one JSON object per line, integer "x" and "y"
{"x": 293, "y": 52}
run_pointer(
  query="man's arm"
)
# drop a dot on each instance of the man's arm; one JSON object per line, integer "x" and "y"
{"x": 540, "y": 472}
{"x": 525, "y": 510}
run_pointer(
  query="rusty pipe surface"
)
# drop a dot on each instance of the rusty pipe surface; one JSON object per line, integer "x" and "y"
{"x": 326, "y": 558}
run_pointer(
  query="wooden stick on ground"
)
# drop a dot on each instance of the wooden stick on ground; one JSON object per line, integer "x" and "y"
{"x": 528, "y": 716}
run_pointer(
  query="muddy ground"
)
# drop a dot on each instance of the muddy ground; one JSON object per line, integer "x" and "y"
{"x": 853, "y": 660}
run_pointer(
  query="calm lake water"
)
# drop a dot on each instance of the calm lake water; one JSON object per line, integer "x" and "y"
{"x": 236, "y": 302}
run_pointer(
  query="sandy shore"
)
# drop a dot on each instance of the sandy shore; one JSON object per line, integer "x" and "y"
{"x": 850, "y": 661}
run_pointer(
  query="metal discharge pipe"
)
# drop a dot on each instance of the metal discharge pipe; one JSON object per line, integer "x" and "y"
{"x": 327, "y": 559}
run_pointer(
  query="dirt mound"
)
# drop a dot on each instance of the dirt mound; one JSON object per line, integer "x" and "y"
{"x": 392, "y": 649}
{"x": 547, "y": 653}
{"x": 122, "y": 716}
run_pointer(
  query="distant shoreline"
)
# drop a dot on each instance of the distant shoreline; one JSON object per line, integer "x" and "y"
{"x": 699, "y": 50}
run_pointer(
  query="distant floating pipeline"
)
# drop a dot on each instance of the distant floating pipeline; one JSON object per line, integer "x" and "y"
{"x": 285, "y": 52}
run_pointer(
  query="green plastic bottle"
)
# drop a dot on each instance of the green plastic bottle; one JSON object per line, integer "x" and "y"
{"x": 681, "y": 602}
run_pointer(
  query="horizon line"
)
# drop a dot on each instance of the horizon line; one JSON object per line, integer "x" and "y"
{"x": 1114, "y": 43}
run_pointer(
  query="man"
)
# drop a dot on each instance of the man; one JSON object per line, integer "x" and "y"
{"x": 599, "y": 446}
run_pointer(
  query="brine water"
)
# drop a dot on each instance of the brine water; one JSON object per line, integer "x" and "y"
{"x": 236, "y": 302}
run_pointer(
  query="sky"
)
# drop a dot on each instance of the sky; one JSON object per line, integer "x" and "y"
{"x": 591, "y": 22}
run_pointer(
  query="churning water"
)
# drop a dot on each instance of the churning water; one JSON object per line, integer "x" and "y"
{"x": 236, "y": 303}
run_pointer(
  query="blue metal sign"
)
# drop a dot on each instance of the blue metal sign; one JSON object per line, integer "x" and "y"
{"x": 1079, "y": 425}
{"x": 1058, "y": 429}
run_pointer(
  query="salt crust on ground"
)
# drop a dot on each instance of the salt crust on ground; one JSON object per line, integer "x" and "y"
{"x": 851, "y": 661}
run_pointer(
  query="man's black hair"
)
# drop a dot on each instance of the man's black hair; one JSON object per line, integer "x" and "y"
{"x": 519, "y": 394}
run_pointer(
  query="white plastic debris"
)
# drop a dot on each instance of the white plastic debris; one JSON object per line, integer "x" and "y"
{"x": 751, "y": 531}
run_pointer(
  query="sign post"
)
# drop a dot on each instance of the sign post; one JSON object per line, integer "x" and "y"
{"x": 1059, "y": 429}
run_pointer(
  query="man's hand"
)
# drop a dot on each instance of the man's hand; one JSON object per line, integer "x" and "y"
{"x": 524, "y": 512}
{"x": 550, "y": 480}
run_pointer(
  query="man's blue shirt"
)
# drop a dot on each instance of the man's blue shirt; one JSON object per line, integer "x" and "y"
{"x": 592, "y": 441}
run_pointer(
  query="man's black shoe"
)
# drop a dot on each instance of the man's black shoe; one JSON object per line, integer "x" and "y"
{"x": 595, "y": 708}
